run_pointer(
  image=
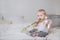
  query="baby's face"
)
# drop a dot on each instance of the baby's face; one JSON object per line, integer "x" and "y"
{"x": 41, "y": 15}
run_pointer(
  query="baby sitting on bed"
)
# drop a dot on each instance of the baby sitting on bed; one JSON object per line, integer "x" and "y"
{"x": 42, "y": 25}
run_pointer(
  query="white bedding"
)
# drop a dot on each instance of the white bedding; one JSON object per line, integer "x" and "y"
{"x": 12, "y": 31}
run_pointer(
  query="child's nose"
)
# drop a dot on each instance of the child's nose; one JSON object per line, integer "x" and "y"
{"x": 39, "y": 17}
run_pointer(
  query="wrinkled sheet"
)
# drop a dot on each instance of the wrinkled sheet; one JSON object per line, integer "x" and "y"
{"x": 12, "y": 32}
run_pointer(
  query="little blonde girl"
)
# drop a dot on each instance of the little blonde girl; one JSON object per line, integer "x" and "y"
{"x": 42, "y": 25}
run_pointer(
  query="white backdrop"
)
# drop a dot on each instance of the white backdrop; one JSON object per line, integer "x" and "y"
{"x": 17, "y": 9}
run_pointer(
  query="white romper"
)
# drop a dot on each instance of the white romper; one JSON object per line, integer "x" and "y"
{"x": 41, "y": 30}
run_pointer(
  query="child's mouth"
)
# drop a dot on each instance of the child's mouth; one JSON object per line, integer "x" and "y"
{"x": 39, "y": 19}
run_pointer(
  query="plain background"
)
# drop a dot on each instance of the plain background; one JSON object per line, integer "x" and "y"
{"x": 26, "y": 10}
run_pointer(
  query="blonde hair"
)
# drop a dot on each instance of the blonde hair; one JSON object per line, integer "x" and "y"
{"x": 40, "y": 10}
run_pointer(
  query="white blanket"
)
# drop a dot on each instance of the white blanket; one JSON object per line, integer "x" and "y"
{"x": 12, "y": 32}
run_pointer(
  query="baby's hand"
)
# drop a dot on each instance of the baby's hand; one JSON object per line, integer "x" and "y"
{"x": 35, "y": 25}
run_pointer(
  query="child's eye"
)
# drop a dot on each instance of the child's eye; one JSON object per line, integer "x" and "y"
{"x": 38, "y": 15}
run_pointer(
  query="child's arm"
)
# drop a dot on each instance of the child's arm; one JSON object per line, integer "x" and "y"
{"x": 48, "y": 25}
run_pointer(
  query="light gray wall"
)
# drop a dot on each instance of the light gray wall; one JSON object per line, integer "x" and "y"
{"x": 16, "y": 9}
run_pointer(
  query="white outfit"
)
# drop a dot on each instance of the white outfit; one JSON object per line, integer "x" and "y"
{"x": 42, "y": 26}
{"x": 41, "y": 29}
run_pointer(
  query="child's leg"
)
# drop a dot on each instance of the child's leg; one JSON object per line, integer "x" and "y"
{"x": 33, "y": 30}
{"x": 42, "y": 34}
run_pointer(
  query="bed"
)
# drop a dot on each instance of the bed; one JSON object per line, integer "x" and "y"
{"x": 12, "y": 31}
